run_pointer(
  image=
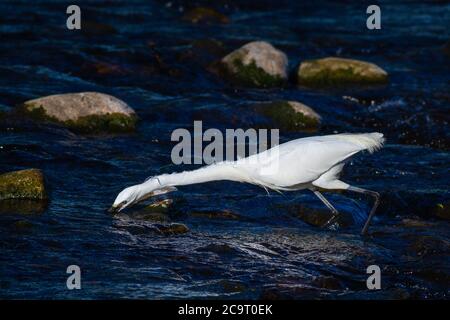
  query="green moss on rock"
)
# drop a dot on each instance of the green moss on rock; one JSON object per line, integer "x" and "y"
{"x": 338, "y": 72}
{"x": 256, "y": 64}
{"x": 107, "y": 123}
{"x": 23, "y": 184}
{"x": 252, "y": 75}
{"x": 291, "y": 116}
{"x": 110, "y": 123}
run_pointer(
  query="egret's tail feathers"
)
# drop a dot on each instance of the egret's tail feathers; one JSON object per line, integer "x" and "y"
{"x": 367, "y": 141}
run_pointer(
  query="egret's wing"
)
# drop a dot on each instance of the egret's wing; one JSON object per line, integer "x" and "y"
{"x": 299, "y": 161}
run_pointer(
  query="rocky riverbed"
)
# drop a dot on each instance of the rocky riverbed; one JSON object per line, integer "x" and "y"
{"x": 140, "y": 69}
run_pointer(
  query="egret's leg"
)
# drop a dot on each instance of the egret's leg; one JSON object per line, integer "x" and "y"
{"x": 329, "y": 206}
{"x": 374, "y": 194}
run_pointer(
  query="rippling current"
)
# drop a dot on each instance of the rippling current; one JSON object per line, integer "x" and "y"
{"x": 157, "y": 63}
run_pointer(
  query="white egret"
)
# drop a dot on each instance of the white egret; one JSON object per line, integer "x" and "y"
{"x": 309, "y": 163}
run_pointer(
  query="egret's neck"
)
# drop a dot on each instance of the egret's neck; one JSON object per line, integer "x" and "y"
{"x": 214, "y": 172}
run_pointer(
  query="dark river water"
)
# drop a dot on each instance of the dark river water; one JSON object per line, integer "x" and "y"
{"x": 144, "y": 53}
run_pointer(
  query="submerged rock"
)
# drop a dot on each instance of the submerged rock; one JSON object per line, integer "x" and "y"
{"x": 316, "y": 216}
{"x": 106, "y": 69}
{"x": 416, "y": 223}
{"x": 172, "y": 228}
{"x": 218, "y": 249}
{"x": 446, "y": 48}
{"x": 338, "y": 72}
{"x": 161, "y": 206}
{"x": 423, "y": 245}
{"x": 205, "y": 15}
{"x": 92, "y": 28}
{"x": 290, "y": 291}
{"x": 211, "y": 214}
{"x": 86, "y": 112}
{"x": 150, "y": 216}
{"x": 291, "y": 115}
{"x": 442, "y": 210}
{"x": 157, "y": 211}
{"x": 211, "y": 46}
{"x": 23, "y": 206}
{"x": 23, "y": 225}
{"x": 23, "y": 184}
{"x": 256, "y": 64}
{"x": 232, "y": 286}
{"x": 202, "y": 52}
{"x": 327, "y": 282}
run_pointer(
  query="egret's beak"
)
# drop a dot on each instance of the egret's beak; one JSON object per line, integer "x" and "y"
{"x": 113, "y": 210}
{"x": 118, "y": 208}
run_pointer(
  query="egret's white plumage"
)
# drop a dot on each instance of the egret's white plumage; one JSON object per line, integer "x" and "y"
{"x": 307, "y": 163}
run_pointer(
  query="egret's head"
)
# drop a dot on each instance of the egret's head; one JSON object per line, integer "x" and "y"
{"x": 126, "y": 197}
{"x": 132, "y": 195}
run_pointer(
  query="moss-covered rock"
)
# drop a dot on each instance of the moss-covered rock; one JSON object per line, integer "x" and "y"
{"x": 23, "y": 184}
{"x": 256, "y": 64}
{"x": 205, "y": 15}
{"x": 291, "y": 116}
{"x": 339, "y": 72}
{"x": 86, "y": 112}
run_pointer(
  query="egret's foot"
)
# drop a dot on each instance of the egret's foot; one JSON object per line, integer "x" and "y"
{"x": 334, "y": 227}
{"x": 332, "y": 223}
